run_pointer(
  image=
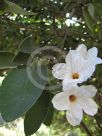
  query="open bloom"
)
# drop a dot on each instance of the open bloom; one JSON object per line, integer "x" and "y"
{"x": 75, "y": 101}
{"x": 80, "y": 65}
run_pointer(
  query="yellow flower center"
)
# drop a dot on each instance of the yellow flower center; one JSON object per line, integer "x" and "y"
{"x": 75, "y": 76}
{"x": 72, "y": 98}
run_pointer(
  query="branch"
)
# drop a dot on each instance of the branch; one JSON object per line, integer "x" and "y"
{"x": 86, "y": 129}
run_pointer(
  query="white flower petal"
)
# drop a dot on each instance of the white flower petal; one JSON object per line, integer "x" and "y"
{"x": 92, "y": 53}
{"x": 87, "y": 71}
{"x": 98, "y": 60}
{"x": 59, "y": 70}
{"x": 82, "y": 49}
{"x": 69, "y": 56}
{"x": 75, "y": 61}
{"x": 74, "y": 115}
{"x": 89, "y": 106}
{"x": 61, "y": 101}
{"x": 88, "y": 91}
{"x": 68, "y": 86}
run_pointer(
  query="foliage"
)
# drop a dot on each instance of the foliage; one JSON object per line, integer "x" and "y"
{"x": 26, "y": 25}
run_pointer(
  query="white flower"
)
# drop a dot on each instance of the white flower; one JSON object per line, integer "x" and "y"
{"x": 80, "y": 65}
{"x": 75, "y": 101}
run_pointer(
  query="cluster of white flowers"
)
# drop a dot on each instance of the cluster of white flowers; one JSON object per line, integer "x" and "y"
{"x": 80, "y": 65}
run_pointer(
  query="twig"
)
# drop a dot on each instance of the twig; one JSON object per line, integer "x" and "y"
{"x": 86, "y": 129}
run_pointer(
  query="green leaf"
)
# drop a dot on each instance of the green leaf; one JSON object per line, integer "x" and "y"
{"x": 91, "y": 9}
{"x": 98, "y": 8}
{"x": 49, "y": 116}
{"x": 18, "y": 94}
{"x": 14, "y": 8}
{"x": 21, "y": 58}
{"x": 27, "y": 45}
{"x": 88, "y": 19}
{"x": 6, "y": 60}
{"x": 35, "y": 116}
{"x": 2, "y": 7}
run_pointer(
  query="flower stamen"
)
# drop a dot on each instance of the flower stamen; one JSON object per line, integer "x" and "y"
{"x": 72, "y": 98}
{"x": 75, "y": 76}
